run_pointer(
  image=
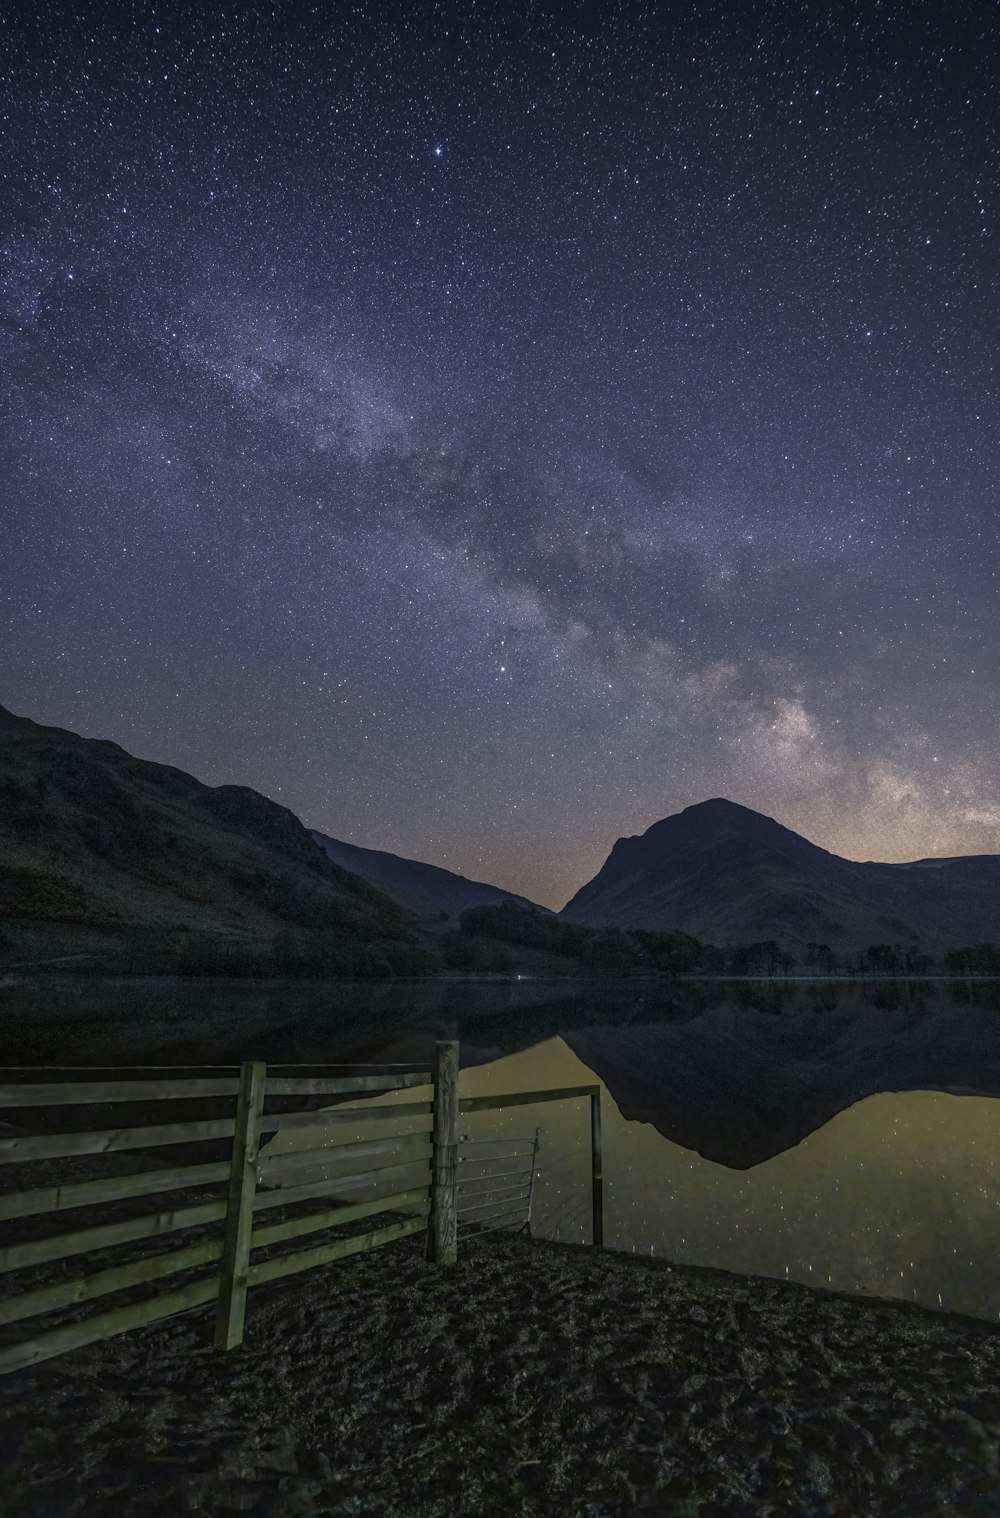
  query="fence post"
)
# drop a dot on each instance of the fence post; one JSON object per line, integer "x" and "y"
{"x": 596, "y": 1192}
{"x": 531, "y": 1183}
{"x": 239, "y": 1207}
{"x": 442, "y": 1236}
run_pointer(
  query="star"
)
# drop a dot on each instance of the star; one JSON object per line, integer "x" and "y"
{"x": 596, "y": 393}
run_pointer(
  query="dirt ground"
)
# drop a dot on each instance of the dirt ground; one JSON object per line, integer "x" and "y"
{"x": 530, "y": 1378}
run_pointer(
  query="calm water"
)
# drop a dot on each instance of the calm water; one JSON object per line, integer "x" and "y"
{"x": 842, "y": 1135}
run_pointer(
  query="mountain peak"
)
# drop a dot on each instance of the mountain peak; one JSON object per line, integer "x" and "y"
{"x": 727, "y": 874}
{"x": 718, "y": 806}
{"x": 720, "y": 815}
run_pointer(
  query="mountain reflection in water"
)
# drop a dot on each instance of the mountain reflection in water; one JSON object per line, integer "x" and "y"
{"x": 841, "y": 1135}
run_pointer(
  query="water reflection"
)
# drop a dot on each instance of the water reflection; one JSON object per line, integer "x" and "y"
{"x": 859, "y": 1150}
{"x": 898, "y": 1195}
{"x": 741, "y": 1083}
{"x": 94, "y": 1021}
{"x": 840, "y": 1135}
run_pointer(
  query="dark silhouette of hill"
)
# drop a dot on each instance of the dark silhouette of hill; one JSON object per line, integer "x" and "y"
{"x": 96, "y": 844}
{"x": 740, "y": 1084}
{"x": 425, "y": 885}
{"x": 727, "y": 875}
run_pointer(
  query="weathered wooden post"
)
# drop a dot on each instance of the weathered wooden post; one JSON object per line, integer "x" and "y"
{"x": 531, "y": 1182}
{"x": 239, "y": 1207}
{"x": 442, "y": 1235}
{"x": 596, "y": 1191}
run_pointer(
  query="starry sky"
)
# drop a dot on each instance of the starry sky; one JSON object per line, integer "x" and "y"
{"x": 487, "y": 429}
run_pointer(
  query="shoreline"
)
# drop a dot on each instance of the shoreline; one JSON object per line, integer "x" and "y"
{"x": 584, "y": 975}
{"x": 530, "y": 1378}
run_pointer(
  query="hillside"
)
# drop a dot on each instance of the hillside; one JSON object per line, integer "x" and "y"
{"x": 726, "y": 874}
{"x": 106, "y": 855}
{"x": 428, "y": 886}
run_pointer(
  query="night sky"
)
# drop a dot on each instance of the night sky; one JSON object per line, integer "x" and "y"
{"x": 487, "y": 430}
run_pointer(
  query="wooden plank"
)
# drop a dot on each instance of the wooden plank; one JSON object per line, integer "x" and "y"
{"x": 61, "y": 1245}
{"x": 291, "y": 1264}
{"x": 283, "y": 1120}
{"x": 114, "y": 1070}
{"x": 71, "y": 1093}
{"x": 596, "y": 1187}
{"x": 43, "y": 1299}
{"x": 278, "y": 1164}
{"x": 522, "y": 1098}
{"x": 113, "y": 1140}
{"x": 443, "y": 1231}
{"x": 239, "y": 1207}
{"x": 313, "y": 1222}
{"x": 19, "y": 1204}
{"x": 303, "y": 1085}
{"x": 282, "y": 1196}
{"x": 118, "y": 1320}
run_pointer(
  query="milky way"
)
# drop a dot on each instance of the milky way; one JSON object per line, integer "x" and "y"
{"x": 489, "y": 430}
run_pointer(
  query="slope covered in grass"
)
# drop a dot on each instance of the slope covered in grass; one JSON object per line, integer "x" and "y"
{"x": 106, "y": 855}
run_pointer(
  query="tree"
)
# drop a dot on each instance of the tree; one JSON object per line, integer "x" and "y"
{"x": 883, "y": 958}
{"x": 763, "y": 957}
{"x": 973, "y": 959}
{"x": 916, "y": 962}
{"x": 820, "y": 956}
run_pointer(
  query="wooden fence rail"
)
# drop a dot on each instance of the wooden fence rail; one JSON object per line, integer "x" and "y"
{"x": 424, "y": 1186}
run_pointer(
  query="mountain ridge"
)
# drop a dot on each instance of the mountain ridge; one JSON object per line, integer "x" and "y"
{"x": 726, "y": 874}
{"x": 97, "y": 846}
{"x": 94, "y": 837}
{"x": 415, "y": 882}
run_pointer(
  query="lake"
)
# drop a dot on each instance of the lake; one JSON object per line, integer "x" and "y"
{"x": 842, "y": 1134}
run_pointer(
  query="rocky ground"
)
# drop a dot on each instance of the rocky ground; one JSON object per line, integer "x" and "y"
{"x": 530, "y": 1378}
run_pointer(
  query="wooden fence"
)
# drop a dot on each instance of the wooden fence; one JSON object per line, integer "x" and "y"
{"x": 423, "y": 1166}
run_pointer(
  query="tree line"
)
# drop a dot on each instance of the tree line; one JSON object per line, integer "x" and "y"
{"x": 484, "y": 940}
{"x": 680, "y": 953}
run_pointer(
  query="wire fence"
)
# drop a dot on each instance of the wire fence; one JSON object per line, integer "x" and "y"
{"x": 497, "y": 1198}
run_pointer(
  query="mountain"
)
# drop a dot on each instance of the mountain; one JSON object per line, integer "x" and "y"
{"x": 101, "y": 852}
{"x": 729, "y": 875}
{"x": 740, "y": 1084}
{"x": 425, "y": 885}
